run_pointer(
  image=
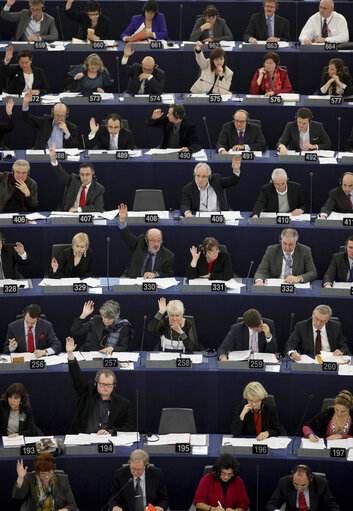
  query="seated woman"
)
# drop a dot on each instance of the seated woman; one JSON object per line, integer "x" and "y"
{"x": 93, "y": 24}
{"x": 270, "y": 80}
{"x": 177, "y": 332}
{"x": 75, "y": 261}
{"x": 210, "y": 27}
{"x": 16, "y": 417}
{"x": 210, "y": 263}
{"x": 23, "y": 77}
{"x": 92, "y": 76}
{"x": 334, "y": 422}
{"x": 256, "y": 415}
{"x": 336, "y": 82}
{"x": 105, "y": 332}
{"x": 222, "y": 489}
{"x": 216, "y": 77}
{"x": 148, "y": 25}
{"x": 43, "y": 488}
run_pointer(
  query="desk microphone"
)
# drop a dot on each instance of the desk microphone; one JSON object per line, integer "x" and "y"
{"x": 117, "y": 75}
{"x": 60, "y": 24}
{"x": 290, "y": 331}
{"x": 181, "y": 20}
{"x": 247, "y": 276}
{"x": 143, "y": 337}
{"x": 257, "y": 487}
{"x": 339, "y": 132}
{"x": 117, "y": 493}
{"x": 108, "y": 250}
{"x": 311, "y": 195}
{"x": 220, "y": 86}
{"x": 206, "y": 128}
{"x": 137, "y": 418}
{"x": 310, "y": 398}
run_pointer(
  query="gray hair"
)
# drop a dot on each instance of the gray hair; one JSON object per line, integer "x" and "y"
{"x": 107, "y": 373}
{"x": 323, "y": 309}
{"x": 205, "y": 165}
{"x": 21, "y": 163}
{"x": 139, "y": 455}
{"x": 290, "y": 233}
{"x": 254, "y": 391}
{"x": 110, "y": 309}
{"x": 175, "y": 307}
{"x": 278, "y": 173}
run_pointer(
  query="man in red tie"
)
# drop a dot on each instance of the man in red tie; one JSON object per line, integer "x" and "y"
{"x": 340, "y": 198}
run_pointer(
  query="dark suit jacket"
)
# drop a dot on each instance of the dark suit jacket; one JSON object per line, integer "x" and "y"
{"x": 8, "y": 189}
{"x": 156, "y": 492}
{"x": 221, "y": 32}
{"x": 237, "y": 339}
{"x": 257, "y": 28}
{"x": 221, "y": 270}
{"x": 253, "y": 137}
{"x": 15, "y": 82}
{"x": 269, "y": 421}
{"x": 45, "y": 337}
{"x": 66, "y": 265}
{"x": 317, "y": 134}
{"x": 302, "y": 338}
{"x": 103, "y": 29}
{"x": 102, "y": 139}
{"x": 271, "y": 264}
{"x": 45, "y": 127}
{"x": 119, "y": 417}
{"x": 72, "y": 182}
{"x": 337, "y": 201}
{"x": 48, "y": 30}
{"x": 26, "y": 427}
{"x": 268, "y": 198}
{"x": 190, "y": 194}
{"x": 153, "y": 86}
{"x": 164, "y": 263}
{"x": 188, "y": 133}
{"x": 319, "y": 494}
{"x": 6, "y": 127}
{"x": 338, "y": 269}
{"x": 96, "y": 333}
{"x": 349, "y": 143}
{"x": 9, "y": 260}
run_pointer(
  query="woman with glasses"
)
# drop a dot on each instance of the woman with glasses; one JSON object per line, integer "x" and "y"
{"x": 94, "y": 25}
{"x": 210, "y": 262}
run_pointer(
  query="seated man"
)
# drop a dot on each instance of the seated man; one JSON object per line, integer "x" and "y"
{"x": 144, "y": 78}
{"x": 302, "y": 490}
{"x": 178, "y": 132}
{"x": 288, "y": 260}
{"x": 341, "y": 266}
{"x": 267, "y": 26}
{"x": 253, "y": 333}
{"x": 240, "y": 135}
{"x": 99, "y": 409}
{"x": 111, "y": 135}
{"x": 82, "y": 192}
{"x": 18, "y": 192}
{"x": 53, "y": 128}
{"x": 32, "y": 334}
{"x": 149, "y": 258}
{"x": 340, "y": 199}
{"x": 32, "y": 24}
{"x": 207, "y": 191}
{"x": 326, "y": 25}
{"x": 316, "y": 334}
{"x": 303, "y": 134}
{"x": 8, "y": 125}
{"x": 280, "y": 196}
{"x": 148, "y": 485}
{"x": 10, "y": 257}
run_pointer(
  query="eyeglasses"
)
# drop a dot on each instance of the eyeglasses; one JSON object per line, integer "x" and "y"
{"x": 106, "y": 385}
{"x": 227, "y": 474}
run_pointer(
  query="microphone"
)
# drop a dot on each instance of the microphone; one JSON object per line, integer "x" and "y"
{"x": 206, "y": 128}
{"x": 296, "y": 24}
{"x": 291, "y": 322}
{"x": 117, "y": 75}
{"x": 180, "y": 19}
{"x": 60, "y": 24}
{"x": 257, "y": 487}
{"x": 310, "y": 398}
{"x": 108, "y": 249}
{"x": 117, "y": 493}
{"x": 339, "y": 133}
{"x": 143, "y": 337}
{"x": 137, "y": 418}
{"x": 220, "y": 86}
{"x": 311, "y": 195}
{"x": 247, "y": 276}
{"x": 83, "y": 141}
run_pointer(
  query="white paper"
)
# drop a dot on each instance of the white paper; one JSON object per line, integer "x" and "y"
{"x": 16, "y": 441}
{"x": 346, "y": 443}
{"x": 161, "y": 214}
{"x": 339, "y": 216}
{"x": 59, "y": 282}
{"x": 272, "y": 442}
{"x": 286, "y": 96}
{"x": 125, "y": 438}
{"x": 125, "y": 356}
{"x": 328, "y": 356}
{"x": 198, "y": 439}
{"x": 268, "y": 358}
{"x": 327, "y": 161}
{"x": 345, "y": 370}
{"x": 110, "y": 215}
{"x": 34, "y": 439}
{"x": 306, "y": 444}
{"x": 23, "y": 283}
{"x": 239, "y": 355}
{"x": 228, "y": 215}
{"x": 81, "y": 439}
{"x": 350, "y": 455}
{"x": 173, "y": 438}
{"x": 298, "y": 218}
{"x": 346, "y": 153}
{"x": 305, "y": 359}
{"x": 35, "y": 216}
{"x": 196, "y": 358}
{"x": 278, "y": 282}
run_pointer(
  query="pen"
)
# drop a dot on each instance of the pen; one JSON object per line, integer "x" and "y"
{"x": 220, "y": 505}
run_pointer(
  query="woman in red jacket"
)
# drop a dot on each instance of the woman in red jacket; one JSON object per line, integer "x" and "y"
{"x": 270, "y": 79}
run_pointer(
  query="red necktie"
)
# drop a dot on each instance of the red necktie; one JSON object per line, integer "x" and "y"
{"x": 318, "y": 345}
{"x": 83, "y": 197}
{"x": 302, "y": 502}
{"x": 30, "y": 340}
{"x": 349, "y": 197}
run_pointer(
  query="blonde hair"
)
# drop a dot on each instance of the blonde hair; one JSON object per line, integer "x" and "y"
{"x": 93, "y": 60}
{"x": 80, "y": 237}
{"x": 254, "y": 391}
{"x": 175, "y": 307}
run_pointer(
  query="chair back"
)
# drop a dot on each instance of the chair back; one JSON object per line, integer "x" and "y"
{"x": 177, "y": 420}
{"x": 148, "y": 200}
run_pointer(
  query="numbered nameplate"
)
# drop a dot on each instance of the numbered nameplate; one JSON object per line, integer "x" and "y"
{"x": 19, "y": 219}
{"x": 347, "y": 222}
{"x": 156, "y": 45}
{"x": 151, "y": 218}
{"x": 256, "y": 364}
{"x": 122, "y": 155}
{"x": 98, "y": 45}
{"x": 60, "y": 155}
{"x": 149, "y": 286}
{"x": 215, "y": 98}
{"x": 28, "y": 450}
{"x": 330, "y": 367}
{"x": 287, "y": 288}
{"x": 79, "y": 287}
{"x": 37, "y": 364}
{"x": 283, "y": 219}
{"x": 310, "y": 157}
{"x": 248, "y": 155}
{"x": 275, "y": 100}
{"x": 40, "y": 45}
{"x": 213, "y": 44}
{"x": 331, "y": 46}
{"x": 338, "y": 452}
{"x": 336, "y": 100}
{"x": 85, "y": 219}
{"x": 217, "y": 219}
{"x": 155, "y": 98}
{"x": 35, "y": 98}
{"x": 260, "y": 449}
{"x": 110, "y": 362}
{"x": 272, "y": 45}
{"x": 218, "y": 287}
{"x": 351, "y": 291}
{"x": 95, "y": 98}
{"x": 183, "y": 448}
{"x": 105, "y": 448}
{"x": 10, "y": 289}
{"x": 185, "y": 155}
{"x": 183, "y": 362}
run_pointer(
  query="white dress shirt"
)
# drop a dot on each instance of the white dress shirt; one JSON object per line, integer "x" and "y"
{"x": 337, "y": 28}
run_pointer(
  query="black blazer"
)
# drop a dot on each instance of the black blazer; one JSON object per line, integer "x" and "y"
{"x": 221, "y": 270}
{"x": 190, "y": 194}
{"x": 269, "y": 420}
{"x": 188, "y": 133}
{"x": 10, "y": 259}
{"x": 349, "y": 143}
{"x": 66, "y": 265}
{"x": 95, "y": 333}
{"x": 221, "y": 31}
{"x": 26, "y": 427}
{"x": 45, "y": 337}
{"x": 237, "y": 339}
{"x": 346, "y": 79}
{"x": 257, "y": 28}
{"x": 320, "y": 422}
{"x": 103, "y": 29}
{"x": 317, "y": 135}
{"x": 268, "y": 198}
{"x": 188, "y": 336}
{"x": 153, "y": 86}
{"x": 253, "y": 137}
{"x": 302, "y": 338}
{"x": 156, "y": 492}
{"x": 102, "y": 139}
{"x": 338, "y": 269}
{"x": 337, "y": 201}
{"x": 45, "y": 128}
{"x": 16, "y": 83}
{"x": 6, "y": 127}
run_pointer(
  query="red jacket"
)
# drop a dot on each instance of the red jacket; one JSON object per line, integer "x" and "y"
{"x": 286, "y": 85}
{"x": 210, "y": 492}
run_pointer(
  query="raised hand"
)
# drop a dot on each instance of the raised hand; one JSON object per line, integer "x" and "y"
{"x": 94, "y": 127}
{"x": 19, "y": 248}
{"x": 54, "y": 265}
{"x": 9, "y": 53}
{"x": 128, "y": 51}
{"x": 52, "y": 150}
{"x": 198, "y": 46}
{"x": 88, "y": 308}
{"x": 122, "y": 213}
{"x": 162, "y": 304}
{"x": 9, "y": 107}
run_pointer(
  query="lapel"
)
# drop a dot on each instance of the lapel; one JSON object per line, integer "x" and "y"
{"x": 274, "y": 197}
{"x": 22, "y": 338}
{"x": 90, "y": 191}
{"x": 310, "y": 336}
{"x": 279, "y": 260}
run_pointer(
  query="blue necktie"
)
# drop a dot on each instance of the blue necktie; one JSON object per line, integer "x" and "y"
{"x": 269, "y": 27}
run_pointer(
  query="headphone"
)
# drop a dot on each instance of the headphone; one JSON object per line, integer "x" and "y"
{"x": 341, "y": 178}
{"x": 310, "y": 117}
{"x": 274, "y": 56}
{"x": 178, "y": 112}
{"x": 87, "y": 164}
{"x": 244, "y": 112}
{"x": 201, "y": 164}
{"x": 59, "y": 103}
{"x": 305, "y": 469}
{"x": 146, "y": 236}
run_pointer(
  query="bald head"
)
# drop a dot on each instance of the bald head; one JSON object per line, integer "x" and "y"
{"x": 148, "y": 65}
{"x": 59, "y": 113}
{"x": 154, "y": 239}
{"x": 326, "y": 7}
